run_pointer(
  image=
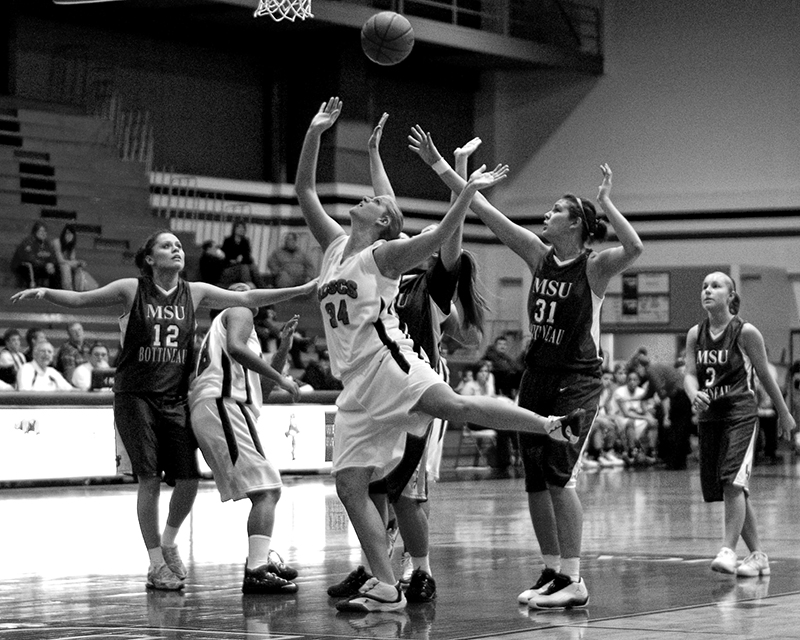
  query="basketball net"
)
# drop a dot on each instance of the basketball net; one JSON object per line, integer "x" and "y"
{"x": 288, "y": 9}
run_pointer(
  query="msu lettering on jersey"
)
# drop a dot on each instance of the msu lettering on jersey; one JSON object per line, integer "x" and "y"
{"x": 724, "y": 372}
{"x": 157, "y": 341}
{"x": 564, "y": 318}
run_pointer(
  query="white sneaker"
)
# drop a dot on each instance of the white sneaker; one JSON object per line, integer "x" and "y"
{"x": 756, "y": 564}
{"x": 561, "y": 593}
{"x": 161, "y": 577}
{"x": 545, "y": 578}
{"x": 725, "y": 562}
{"x": 365, "y": 601}
{"x": 408, "y": 568}
{"x": 174, "y": 562}
{"x": 615, "y": 459}
{"x": 588, "y": 463}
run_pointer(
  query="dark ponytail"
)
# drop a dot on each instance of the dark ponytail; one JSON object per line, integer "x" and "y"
{"x": 594, "y": 229}
{"x": 472, "y": 302}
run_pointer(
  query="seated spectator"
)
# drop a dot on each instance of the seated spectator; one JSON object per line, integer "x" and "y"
{"x": 239, "y": 259}
{"x": 506, "y": 370}
{"x": 636, "y": 421}
{"x": 289, "y": 265}
{"x": 72, "y": 271}
{"x": 38, "y": 375}
{"x": 212, "y": 263}
{"x": 98, "y": 359}
{"x": 11, "y": 357}
{"x": 481, "y": 382}
{"x": 33, "y": 336}
{"x": 34, "y": 261}
{"x": 74, "y": 352}
{"x": 318, "y": 372}
{"x": 604, "y": 437}
{"x": 268, "y": 329}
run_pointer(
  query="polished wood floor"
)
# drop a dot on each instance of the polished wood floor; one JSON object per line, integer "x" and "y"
{"x": 72, "y": 565}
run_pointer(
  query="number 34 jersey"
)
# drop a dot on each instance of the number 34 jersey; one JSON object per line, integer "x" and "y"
{"x": 354, "y": 299}
{"x": 157, "y": 341}
{"x": 564, "y": 315}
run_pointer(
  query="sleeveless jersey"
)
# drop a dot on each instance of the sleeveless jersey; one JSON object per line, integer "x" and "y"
{"x": 157, "y": 338}
{"x": 354, "y": 299}
{"x": 218, "y": 375}
{"x": 725, "y": 372}
{"x": 422, "y": 304}
{"x": 564, "y": 316}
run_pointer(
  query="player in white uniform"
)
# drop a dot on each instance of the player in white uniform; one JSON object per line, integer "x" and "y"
{"x": 225, "y": 400}
{"x": 388, "y": 389}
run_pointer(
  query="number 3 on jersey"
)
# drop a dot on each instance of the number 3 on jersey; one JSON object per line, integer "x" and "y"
{"x": 171, "y": 337}
{"x": 337, "y": 317}
{"x": 544, "y": 308}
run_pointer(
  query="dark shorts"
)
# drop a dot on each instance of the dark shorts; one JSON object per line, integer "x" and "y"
{"x": 727, "y": 449}
{"x": 157, "y": 435}
{"x": 546, "y": 461}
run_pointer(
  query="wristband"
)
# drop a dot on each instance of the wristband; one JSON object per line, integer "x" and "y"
{"x": 440, "y": 166}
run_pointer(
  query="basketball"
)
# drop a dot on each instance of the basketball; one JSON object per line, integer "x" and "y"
{"x": 387, "y": 38}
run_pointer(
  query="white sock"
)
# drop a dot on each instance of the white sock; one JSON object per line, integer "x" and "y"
{"x": 552, "y": 562}
{"x": 572, "y": 568}
{"x": 169, "y": 535}
{"x": 258, "y": 550}
{"x": 156, "y": 556}
{"x": 423, "y": 563}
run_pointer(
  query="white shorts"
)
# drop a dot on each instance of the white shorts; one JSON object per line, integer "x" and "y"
{"x": 226, "y": 432}
{"x": 376, "y": 407}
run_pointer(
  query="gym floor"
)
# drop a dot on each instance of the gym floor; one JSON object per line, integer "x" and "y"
{"x": 73, "y": 564}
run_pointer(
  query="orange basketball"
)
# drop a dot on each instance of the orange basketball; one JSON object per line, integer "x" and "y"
{"x": 387, "y": 38}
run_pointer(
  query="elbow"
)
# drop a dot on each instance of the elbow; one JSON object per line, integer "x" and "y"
{"x": 635, "y": 249}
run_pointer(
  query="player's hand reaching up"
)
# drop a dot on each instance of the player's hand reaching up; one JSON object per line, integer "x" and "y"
{"x": 421, "y": 143}
{"x": 327, "y": 114}
{"x": 605, "y": 186}
{"x": 483, "y": 179}
{"x": 375, "y": 139}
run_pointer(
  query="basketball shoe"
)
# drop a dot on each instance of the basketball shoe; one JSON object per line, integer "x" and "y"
{"x": 262, "y": 580}
{"x": 545, "y": 578}
{"x": 566, "y": 428}
{"x": 161, "y": 577}
{"x": 421, "y": 587}
{"x": 756, "y": 564}
{"x": 725, "y": 562}
{"x": 279, "y": 568}
{"x": 350, "y": 585}
{"x": 174, "y": 562}
{"x": 366, "y": 600}
{"x": 561, "y": 593}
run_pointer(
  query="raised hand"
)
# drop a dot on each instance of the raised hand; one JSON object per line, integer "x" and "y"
{"x": 482, "y": 179}
{"x": 605, "y": 187}
{"x": 421, "y": 143}
{"x": 289, "y": 385}
{"x": 288, "y": 329}
{"x": 327, "y": 114}
{"x": 467, "y": 150}
{"x": 377, "y": 132}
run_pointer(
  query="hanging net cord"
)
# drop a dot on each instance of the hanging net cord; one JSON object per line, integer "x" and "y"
{"x": 288, "y": 9}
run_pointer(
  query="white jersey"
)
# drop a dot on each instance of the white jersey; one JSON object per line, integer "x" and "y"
{"x": 218, "y": 375}
{"x": 354, "y": 299}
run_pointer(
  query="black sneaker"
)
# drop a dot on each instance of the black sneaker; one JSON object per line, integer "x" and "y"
{"x": 422, "y": 587}
{"x": 262, "y": 580}
{"x": 350, "y": 585}
{"x": 568, "y": 427}
{"x": 545, "y": 577}
{"x": 277, "y": 566}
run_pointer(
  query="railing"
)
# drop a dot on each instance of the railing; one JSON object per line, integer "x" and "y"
{"x": 558, "y": 22}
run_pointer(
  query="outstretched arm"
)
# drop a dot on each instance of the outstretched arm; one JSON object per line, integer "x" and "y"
{"x": 398, "y": 256}
{"x": 524, "y": 243}
{"x": 324, "y": 228}
{"x": 217, "y": 298}
{"x": 380, "y": 180}
{"x": 450, "y": 252}
{"x": 117, "y": 292}
{"x": 753, "y": 343}
{"x": 610, "y": 262}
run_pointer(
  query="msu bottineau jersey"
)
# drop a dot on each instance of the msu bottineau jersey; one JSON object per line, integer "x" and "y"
{"x": 354, "y": 299}
{"x": 725, "y": 372}
{"x": 218, "y": 375}
{"x": 157, "y": 336}
{"x": 564, "y": 315}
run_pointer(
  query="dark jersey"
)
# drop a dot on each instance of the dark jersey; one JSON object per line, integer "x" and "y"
{"x": 158, "y": 342}
{"x": 412, "y": 306}
{"x": 564, "y": 318}
{"x": 724, "y": 372}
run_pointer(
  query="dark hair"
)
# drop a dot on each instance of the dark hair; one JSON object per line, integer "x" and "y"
{"x": 30, "y": 333}
{"x": 146, "y": 249}
{"x": 10, "y": 333}
{"x": 736, "y": 299}
{"x": 207, "y": 244}
{"x": 64, "y": 244}
{"x": 472, "y": 302}
{"x": 98, "y": 345}
{"x": 594, "y": 229}
{"x": 38, "y": 225}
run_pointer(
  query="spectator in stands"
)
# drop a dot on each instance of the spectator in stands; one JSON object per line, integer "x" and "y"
{"x": 74, "y": 352}
{"x": 481, "y": 382}
{"x": 268, "y": 329}
{"x": 290, "y": 265}
{"x": 603, "y": 439}
{"x": 507, "y": 376}
{"x": 11, "y": 357}
{"x": 767, "y": 449}
{"x": 65, "y": 253}
{"x": 34, "y": 262}
{"x": 33, "y": 336}
{"x": 317, "y": 371}
{"x": 98, "y": 359}
{"x": 636, "y": 421}
{"x": 239, "y": 259}
{"x": 38, "y": 375}
{"x": 212, "y": 263}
